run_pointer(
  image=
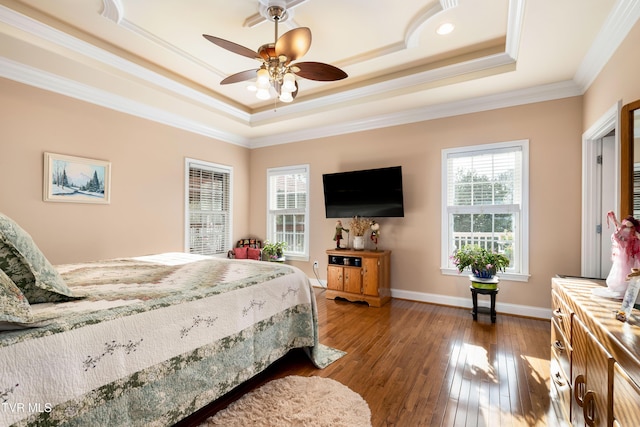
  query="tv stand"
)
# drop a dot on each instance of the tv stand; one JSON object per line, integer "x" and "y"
{"x": 359, "y": 276}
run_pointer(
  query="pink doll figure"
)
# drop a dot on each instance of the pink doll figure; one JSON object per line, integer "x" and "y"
{"x": 625, "y": 251}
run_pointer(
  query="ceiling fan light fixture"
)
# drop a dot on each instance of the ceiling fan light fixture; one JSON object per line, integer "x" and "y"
{"x": 286, "y": 96}
{"x": 263, "y": 94}
{"x": 278, "y": 75}
{"x": 289, "y": 82}
{"x": 263, "y": 76}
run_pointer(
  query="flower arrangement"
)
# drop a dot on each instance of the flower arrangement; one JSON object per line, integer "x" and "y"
{"x": 359, "y": 225}
{"x": 482, "y": 262}
{"x": 273, "y": 251}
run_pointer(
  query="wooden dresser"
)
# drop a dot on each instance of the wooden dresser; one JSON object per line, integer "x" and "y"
{"x": 359, "y": 276}
{"x": 595, "y": 359}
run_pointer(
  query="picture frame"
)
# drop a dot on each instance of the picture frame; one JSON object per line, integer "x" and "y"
{"x": 74, "y": 179}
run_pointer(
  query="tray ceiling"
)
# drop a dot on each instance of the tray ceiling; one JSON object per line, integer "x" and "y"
{"x": 149, "y": 58}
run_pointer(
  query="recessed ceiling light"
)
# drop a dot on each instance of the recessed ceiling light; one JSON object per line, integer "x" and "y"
{"x": 445, "y": 28}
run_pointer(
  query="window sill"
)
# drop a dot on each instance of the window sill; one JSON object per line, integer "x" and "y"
{"x": 298, "y": 257}
{"x": 515, "y": 277}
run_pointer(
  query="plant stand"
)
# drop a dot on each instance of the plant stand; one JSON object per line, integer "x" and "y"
{"x": 484, "y": 287}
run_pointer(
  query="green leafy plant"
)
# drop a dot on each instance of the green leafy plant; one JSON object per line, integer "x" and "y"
{"x": 275, "y": 250}
{"x": 480, "y": 261}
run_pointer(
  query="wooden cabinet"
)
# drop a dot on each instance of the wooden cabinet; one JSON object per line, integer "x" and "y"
{"x": 359, "y": 276}
{"x": 595, "y": 378}
{"x": 591, "y": 368}
{"x": 626, "y": 399}
{"x": 344, "y": 279}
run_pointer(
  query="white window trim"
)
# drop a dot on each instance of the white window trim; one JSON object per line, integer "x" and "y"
{"x": 523, "y": 275}
{"x": 270, "y": 232}
{"x": 207, "y": 165}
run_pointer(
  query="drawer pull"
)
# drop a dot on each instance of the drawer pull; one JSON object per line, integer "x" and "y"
{"x": 557, "y": 378}
{"x": 557, "y": 313}
{"x": 579, "y": 390}
{"x": 589, "y": 408}
{"x": 558, "y": 346}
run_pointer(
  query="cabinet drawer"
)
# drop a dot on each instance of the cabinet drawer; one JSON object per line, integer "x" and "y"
{"x": 560, "y": 349}
{"x": 560, "y": 391}
{"x": 626, "y": 399}
{"x": 562, "y": 313}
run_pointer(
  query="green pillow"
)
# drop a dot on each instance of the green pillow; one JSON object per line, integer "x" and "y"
{"x": 27, "y": 267}
{"x": 15, "y": 311}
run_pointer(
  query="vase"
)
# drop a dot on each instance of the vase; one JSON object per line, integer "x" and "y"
{"x": 484, "y": 274}
{"x": 358, "y": 243}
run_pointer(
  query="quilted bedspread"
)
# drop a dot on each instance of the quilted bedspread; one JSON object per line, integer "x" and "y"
{"x": 152, "y": 339}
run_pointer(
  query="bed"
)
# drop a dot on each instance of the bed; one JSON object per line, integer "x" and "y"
{"x": 150, "y": 340}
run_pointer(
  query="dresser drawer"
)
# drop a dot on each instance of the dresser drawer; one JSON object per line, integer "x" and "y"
{"x": 626, "y": 399}
{"x": 560, "y": 349}
{"x": 560, "y": 392}
{"x": 562, "y": 314}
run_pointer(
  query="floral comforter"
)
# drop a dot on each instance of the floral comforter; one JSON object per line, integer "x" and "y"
{"x": 152, "y": 340}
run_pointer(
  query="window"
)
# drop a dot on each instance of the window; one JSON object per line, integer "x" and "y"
{"x": 485, "y": 202}
{"x": 208, "y": 208}
{"x": 288, "y": 209}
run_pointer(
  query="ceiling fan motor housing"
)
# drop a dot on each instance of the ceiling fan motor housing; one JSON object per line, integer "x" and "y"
{"x": 274, "y": 10}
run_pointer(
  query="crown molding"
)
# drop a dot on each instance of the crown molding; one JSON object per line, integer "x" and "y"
{"x": 616, "y": 27}
{"x": 492, "y": 62}
{"x": 513, "y": 98}
{"x": 45, "y": 32}
{"x": 620, "y": 21}
{"x": 54, "y": 83}
{"x": 112, "y": 10}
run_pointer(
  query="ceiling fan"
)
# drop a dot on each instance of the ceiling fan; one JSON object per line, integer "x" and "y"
{"x": 277, "y": 70}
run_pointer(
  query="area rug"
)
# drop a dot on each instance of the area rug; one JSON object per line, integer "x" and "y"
{"x": 296, "y": 401}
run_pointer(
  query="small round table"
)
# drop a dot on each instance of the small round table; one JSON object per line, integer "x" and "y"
{"x": 474, "y": 296}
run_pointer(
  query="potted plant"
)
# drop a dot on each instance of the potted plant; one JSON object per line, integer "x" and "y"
{"x": 483, "y": 264}
{"x": 273, "y": 251}
{"x": 358, "y": 227}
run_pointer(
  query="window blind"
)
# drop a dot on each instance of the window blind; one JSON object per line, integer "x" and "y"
{"x": 209, "y": 208}
{"x": 287, "y": 203}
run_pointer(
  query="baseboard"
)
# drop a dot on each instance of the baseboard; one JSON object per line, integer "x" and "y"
{"x": 506, "y": 308}
{"x": 501, "y": 307}
{"x": 318, "y": 283}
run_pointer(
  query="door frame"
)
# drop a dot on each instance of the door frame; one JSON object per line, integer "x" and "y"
{"x": 610, "y": 121}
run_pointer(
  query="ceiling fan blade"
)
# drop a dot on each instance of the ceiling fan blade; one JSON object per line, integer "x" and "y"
{"x": 294, "y": 44}
{"x": 240, "y": 77}
{"x": 319, "y": 71}
{"x": 232, "y": 47}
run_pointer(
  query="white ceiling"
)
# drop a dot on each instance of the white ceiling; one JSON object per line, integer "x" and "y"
{"x": 148, "y": 58}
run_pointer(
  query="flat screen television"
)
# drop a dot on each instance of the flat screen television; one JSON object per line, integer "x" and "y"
{"x": 368, "y": 193}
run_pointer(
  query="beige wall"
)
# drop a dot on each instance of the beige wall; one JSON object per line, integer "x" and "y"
{"x": 617, "y": 81}
{"x": 554, "y": 133}
{"x": 146, "y": 214}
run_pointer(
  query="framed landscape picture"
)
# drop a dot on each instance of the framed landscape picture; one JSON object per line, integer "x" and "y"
{"x": 76, "y": 179}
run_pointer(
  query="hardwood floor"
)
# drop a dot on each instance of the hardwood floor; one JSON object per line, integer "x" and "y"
{"x": 420, "y": 364}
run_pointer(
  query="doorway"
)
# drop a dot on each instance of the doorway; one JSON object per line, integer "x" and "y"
{"x": 606, "y": 171}
{"x": 600, "y": 192}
